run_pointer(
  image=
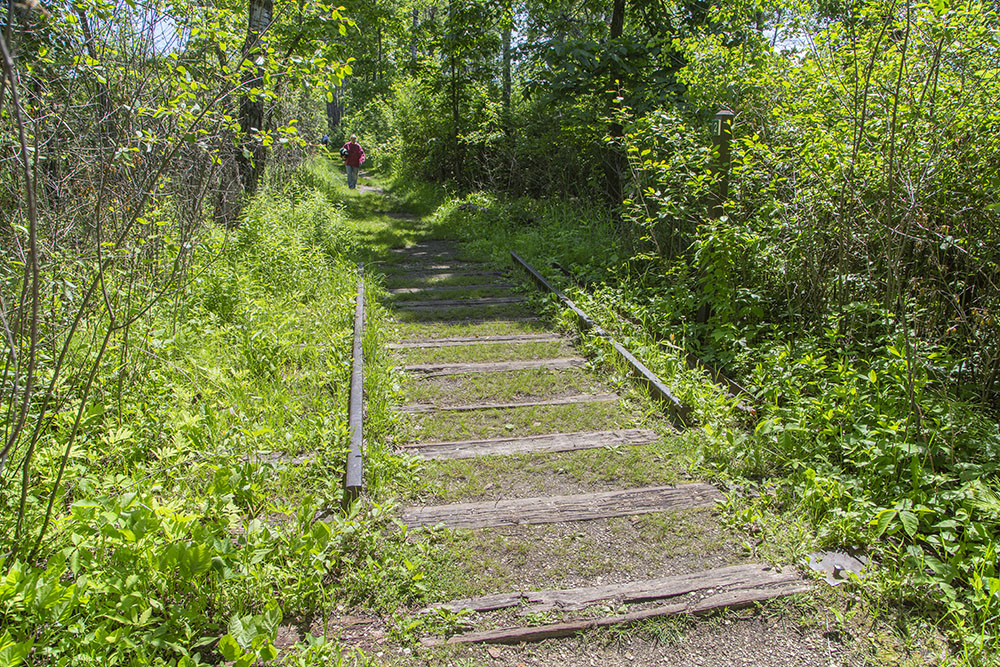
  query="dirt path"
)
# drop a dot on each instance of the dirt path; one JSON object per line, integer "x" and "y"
{"x": 568, "y": 518}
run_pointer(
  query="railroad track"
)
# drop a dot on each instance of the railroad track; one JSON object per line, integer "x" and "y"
{"x": 566, "y": 489}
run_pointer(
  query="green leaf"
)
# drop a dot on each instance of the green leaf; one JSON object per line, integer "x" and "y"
{"x": 883, "y": 520}
{"x": 270, "y": 620}
{"x": 13, "y": 653}
{"x": 194, "y": 560}
{"x": 267, "y": 653}
{"x": 240, "y": 632}
{"x": 228, "y": 647}
{"x": 910, "y": 522}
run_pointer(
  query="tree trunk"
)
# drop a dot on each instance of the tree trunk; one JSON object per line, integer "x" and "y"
{"x": 106, "y": 125}
{"x": 506, "y": 77}
{"x": 456, "y": 118}
{"x": 250, "y": 155}
{"x": 617, "y": 19}
{"x": 613, "y": 158}
{"x": 334, "y": 113}
{"x": 378, "y": 39}
{"x": 413, "y": 40}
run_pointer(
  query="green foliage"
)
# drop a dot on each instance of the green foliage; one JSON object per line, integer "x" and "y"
{"x": 867, "y": 469}
{"x": 203, "y": 501}
{"x": 843, "y": 284}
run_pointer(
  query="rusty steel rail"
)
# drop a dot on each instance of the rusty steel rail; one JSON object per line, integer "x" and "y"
{"x": 680, "y": 413}
{"x": 354, "y": 470}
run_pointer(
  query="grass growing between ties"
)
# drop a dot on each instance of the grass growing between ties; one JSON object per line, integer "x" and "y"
{"x": 521, "y": 422}
{"x": 492, "y": 478}
{"x": 436, "y": 279}
{"x": 412, "y": 330}
{"x": 568, "y": 555}
{"x": 421, "y": 293}
{"x": 510, "y": 386}
{"x": 462, "y": 314}
{"x": 484, "y": 352}
{"x": 203, "y": 509}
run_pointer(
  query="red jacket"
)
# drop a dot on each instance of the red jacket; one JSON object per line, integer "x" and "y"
{"x": 355, "y": 154}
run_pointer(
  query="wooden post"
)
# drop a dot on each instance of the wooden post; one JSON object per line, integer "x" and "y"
{"x": 355, "y": 467}
{"x": 722, "y": 135}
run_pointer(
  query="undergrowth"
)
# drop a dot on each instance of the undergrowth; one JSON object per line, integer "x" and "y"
{"x": 203, "y": 508}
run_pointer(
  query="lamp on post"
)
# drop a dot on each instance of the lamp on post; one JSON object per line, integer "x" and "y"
{"x": 722, "y": 134}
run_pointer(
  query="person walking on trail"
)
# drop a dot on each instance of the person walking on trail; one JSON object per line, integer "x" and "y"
{"x": 354, "y": 157}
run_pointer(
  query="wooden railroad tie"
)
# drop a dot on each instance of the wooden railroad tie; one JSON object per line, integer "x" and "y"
{"x": 440, "y": 250}
{"x": 431, "y": 289}
{"x": 555, "y": 509}
{"x": 420, "y": 408}
{"x": 436, "y": 370}
{"x": 439, "y": 275}
{"x": 475, "y": 340}
{"x": 473, "y": 321}
{"x": 481, "y": 302}
{"x": 413, "y": 267}
{"x": 729, "y": 587}
{"x": 555, "y": 442}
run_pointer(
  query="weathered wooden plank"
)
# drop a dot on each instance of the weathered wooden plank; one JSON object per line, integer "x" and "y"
{"x": 442, "y": 248}
{"x": 727, "y": 600}
{"x": 459, "y": 303}
{"x": 554, "y": 509}
{"x": 732, "y": 578}
{"x": 435, "y": 370}
{"x": 475, "y": 340}
{"x": 431, "y": 289}
{"x": 413, "y": 267}
{"x": 533, "y": 633}
{"x": 420, "y": 408}
{"x": 555, "y": 442}
{"x": 474, "y": 321}
{"x": 427, "y": 256}
{"x": 450, "y": 275}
